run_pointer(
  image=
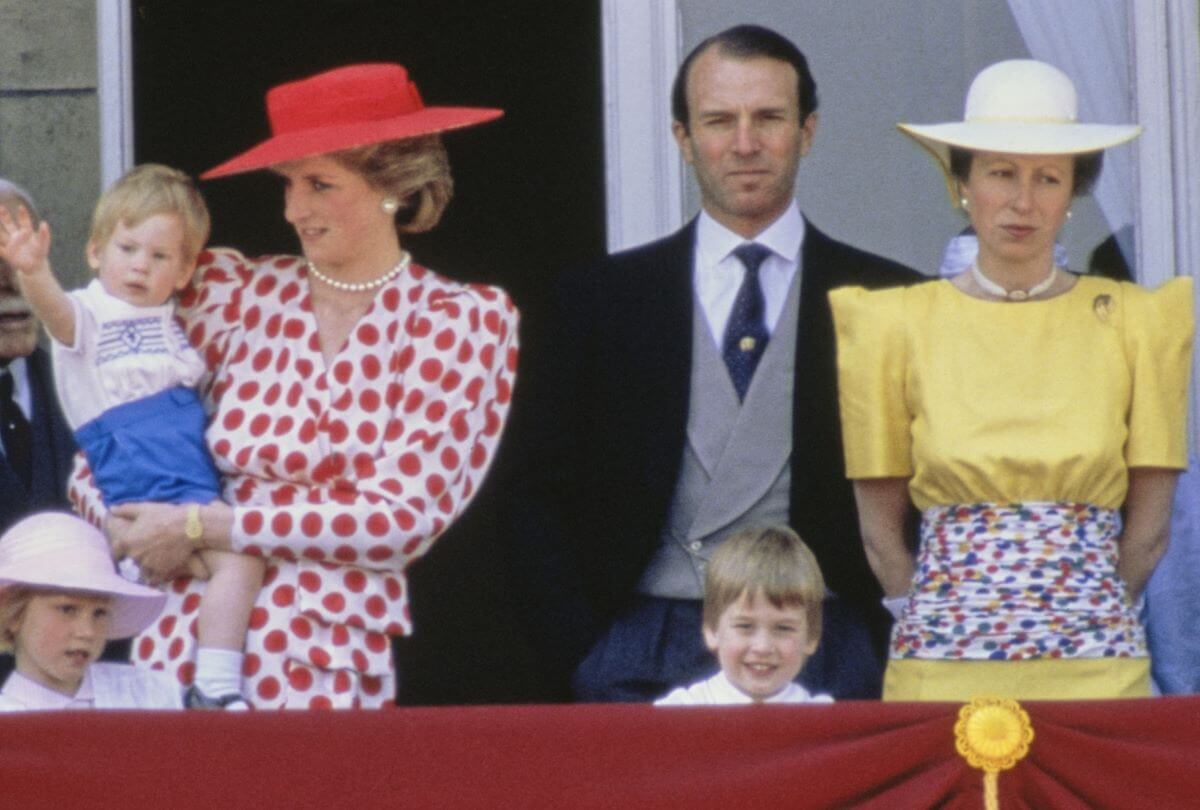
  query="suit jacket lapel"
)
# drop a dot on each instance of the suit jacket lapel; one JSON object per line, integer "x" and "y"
{"x": 814, "y": 355}
{"x": 53, "y": 441}
{"x": 13, "y": 497}
{"x": 660, "y": 304}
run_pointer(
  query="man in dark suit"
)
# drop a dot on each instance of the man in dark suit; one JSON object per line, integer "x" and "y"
{"x": 36, "y": 446}
{"x": 33, "y": 473}
{"x": 688, "y": 389}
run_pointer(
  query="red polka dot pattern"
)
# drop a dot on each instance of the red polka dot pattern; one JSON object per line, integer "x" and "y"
{"x": 341, "y": 473}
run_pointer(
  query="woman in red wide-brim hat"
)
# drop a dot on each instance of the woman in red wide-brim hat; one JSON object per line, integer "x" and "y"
{"x": 356, "y": 398}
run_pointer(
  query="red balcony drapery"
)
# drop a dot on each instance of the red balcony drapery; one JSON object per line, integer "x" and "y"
{"x": 1121, "y": 754}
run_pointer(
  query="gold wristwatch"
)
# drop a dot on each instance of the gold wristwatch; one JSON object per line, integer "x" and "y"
{"x": 193, "y": 529}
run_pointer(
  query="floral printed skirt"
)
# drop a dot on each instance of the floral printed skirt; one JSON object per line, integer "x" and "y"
{"x": 1018, "y": 582}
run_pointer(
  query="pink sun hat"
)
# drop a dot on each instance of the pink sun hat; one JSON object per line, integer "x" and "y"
{"x": 58, "y": 551}
{"x": 343, "y": 108}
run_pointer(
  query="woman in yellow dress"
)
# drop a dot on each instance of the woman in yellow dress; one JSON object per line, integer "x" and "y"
{"x": 1059, "y": 403}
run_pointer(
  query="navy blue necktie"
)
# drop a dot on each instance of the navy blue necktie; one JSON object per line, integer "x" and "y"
{"x": 14, "y": 430}
{"x": 746, "y": 334}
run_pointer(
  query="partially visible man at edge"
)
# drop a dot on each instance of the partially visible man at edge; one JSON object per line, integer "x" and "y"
{"x": 36, "y": 446}
{"x": 32, "y": 477}
{"x": 684, "y": 394}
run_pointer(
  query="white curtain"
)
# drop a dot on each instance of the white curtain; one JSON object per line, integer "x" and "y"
{"x": 1089, "y": 41}
{"x": 1127, "y": 55}
{"x": 1182, "y": 26}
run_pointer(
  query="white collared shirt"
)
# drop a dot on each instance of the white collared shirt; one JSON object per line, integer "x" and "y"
{"x": 104, "y": 686}
{"x": 23, "y": 694}
{"x": 22, "y": 395}
{"x": 717, "y": 274}
{"x": 122, "y": 352}
{"x": 719, "y": 691}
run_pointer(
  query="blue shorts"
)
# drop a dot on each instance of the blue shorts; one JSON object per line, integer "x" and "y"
{"x": 152, "y": 449}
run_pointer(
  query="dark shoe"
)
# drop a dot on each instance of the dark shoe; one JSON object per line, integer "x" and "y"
{"x": 193, "y": 698}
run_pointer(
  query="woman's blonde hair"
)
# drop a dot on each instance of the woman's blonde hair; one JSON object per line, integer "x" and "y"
{"x": 13, "y": 601}
{"x": 770, "y": 561}
{"x": 145, "y": 191}
{"x": 416, "y": 171}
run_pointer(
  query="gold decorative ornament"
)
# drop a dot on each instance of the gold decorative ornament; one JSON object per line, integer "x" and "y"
{"x": 992, "y": 734}
{"x": 746, "y": 344}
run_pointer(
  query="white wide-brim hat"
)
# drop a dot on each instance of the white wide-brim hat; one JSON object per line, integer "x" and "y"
{"x": 1019, "y": 106}
{"x": 62, "y": 552}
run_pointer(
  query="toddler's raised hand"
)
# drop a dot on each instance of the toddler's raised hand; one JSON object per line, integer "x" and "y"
{"x": 24, "y": 247}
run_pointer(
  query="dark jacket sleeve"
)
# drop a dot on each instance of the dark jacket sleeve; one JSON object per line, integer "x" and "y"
{"x": 545, "y": 428}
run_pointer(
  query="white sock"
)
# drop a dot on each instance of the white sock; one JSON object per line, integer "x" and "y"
{"x": 218, "y": 672}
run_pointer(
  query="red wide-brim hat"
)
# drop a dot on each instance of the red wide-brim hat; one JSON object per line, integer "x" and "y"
{"x": 343, "y": 108}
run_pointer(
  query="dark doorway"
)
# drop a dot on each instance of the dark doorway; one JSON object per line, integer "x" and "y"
{"x": 529, "y": 200}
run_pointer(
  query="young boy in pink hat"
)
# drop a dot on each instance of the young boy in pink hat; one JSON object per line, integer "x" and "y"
{"x": 60, "y": 601}
{"x": 126, "y": 376}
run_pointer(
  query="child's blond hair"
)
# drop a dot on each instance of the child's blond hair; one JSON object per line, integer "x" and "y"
{"x": 13, "y": 601}
{"x": 770, "y": 561}
{"x": 143, "y": 192}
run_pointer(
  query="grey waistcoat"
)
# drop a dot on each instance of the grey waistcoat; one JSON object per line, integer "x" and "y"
{"x": 736, "y": 469}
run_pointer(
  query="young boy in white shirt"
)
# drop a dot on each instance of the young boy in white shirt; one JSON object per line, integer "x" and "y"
{"x": 762, "y": 619}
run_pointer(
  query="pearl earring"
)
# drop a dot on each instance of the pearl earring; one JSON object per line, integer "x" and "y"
{"x": 962, "y": 203}
{"x": 1068, "y": 213}
{"x": 389, "y": 205}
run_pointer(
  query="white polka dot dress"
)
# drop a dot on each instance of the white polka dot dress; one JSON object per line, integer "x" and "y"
{"x": 340, "y": 475}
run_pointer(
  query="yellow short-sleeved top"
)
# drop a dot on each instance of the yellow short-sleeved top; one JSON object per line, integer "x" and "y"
{"x": 990, "y": 401}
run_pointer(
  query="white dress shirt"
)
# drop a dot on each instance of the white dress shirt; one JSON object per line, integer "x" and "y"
{"x": 718, "y": 691}
{"x": 717, "y": 274}
{"x": 22, "y": 395}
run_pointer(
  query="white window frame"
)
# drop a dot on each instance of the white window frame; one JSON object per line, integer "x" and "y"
{"x": 1165, "y": 44}
{"x": 643, "y": 169}
{"x": 114, "y": 88}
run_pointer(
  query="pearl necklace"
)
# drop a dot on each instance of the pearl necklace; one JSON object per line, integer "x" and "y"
{"x": 992, "y": 288}
{"x": 362, "y": 286}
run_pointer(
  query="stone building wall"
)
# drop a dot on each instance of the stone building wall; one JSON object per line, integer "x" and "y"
{"x": 49, "y": 118}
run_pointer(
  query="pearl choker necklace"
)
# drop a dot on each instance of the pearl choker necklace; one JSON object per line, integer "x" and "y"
{"x": 992, "y": 288}
{"x": 361, "y": 286}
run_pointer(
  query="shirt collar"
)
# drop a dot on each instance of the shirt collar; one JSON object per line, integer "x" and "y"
{"x": 37, "y": 697}
{"x": 730, "y": 694}
{"x": 19, "y": 368}
{"x": 725, "y": 692}
{"x": 784, "y": 236}
{"x": 109, "y": 307}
